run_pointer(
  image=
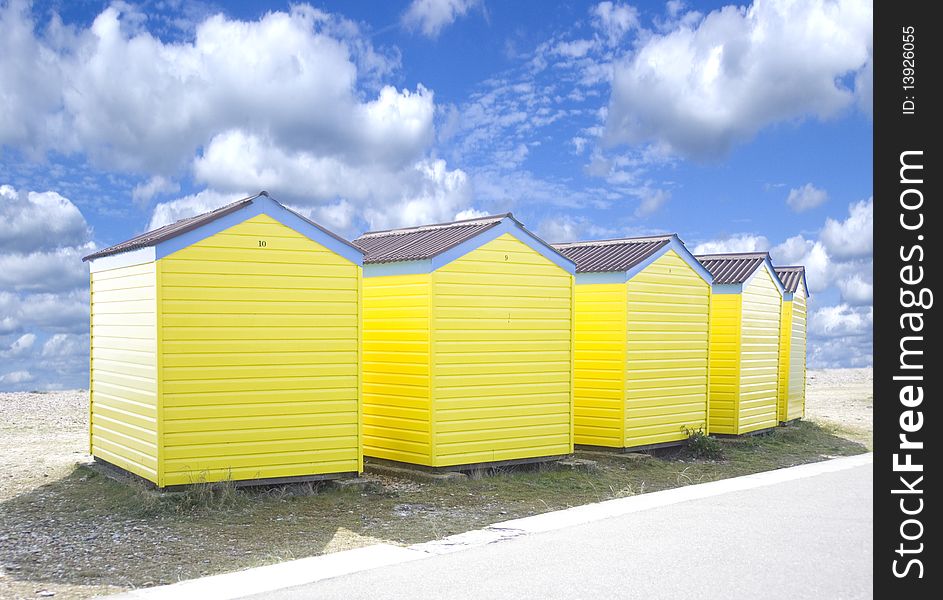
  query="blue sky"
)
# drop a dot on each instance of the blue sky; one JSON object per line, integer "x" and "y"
{"x": 739, "y": 127}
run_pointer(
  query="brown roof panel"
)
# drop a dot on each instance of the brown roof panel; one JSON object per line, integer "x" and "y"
{"x": 156, "y": 236}
{"x": 790, "y": 276}
{"x": 152, "y": 238}
{"x": 422, "y": 242}
{"x": 598, "y": 256}
{"x": 732, "y": 268}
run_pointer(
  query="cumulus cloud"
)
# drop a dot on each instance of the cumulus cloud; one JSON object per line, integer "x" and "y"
{"x": 189, "y": 206}
{"x": 38, "y": 220}
{"x": 812, "y": 254}
{"x": 157, "y": 184}
{"x": 806, "y": 197}
{"x": 338, "y": 216}
{"x": 290, "y": 103}
{"x": 22, "y": 345}
{"x": 16, "y": 377}
{"x": 651, "y": 201}
{"x": 470, "y": 213}
{"x": 432, "y": 16}
{"x": 565, "y": 228}
{"x": 841, "y": 352}
{"x": 841, "y": 320}
{"x": 44, "y": 271}
{"x": 43, "y": 284}
{"x": 434, "y": 194}
{"x": 292, "y": 74}
{"x": 854, "y": 236}
{"x": 65, "y": 354}
{"x": 702, "y": 88}
{"x": 614, "y": 20}
{"x": 31, "y": 83}
{"x": 51, "y": 313}
{"x": 856, "y": 291}
{"x": 740, "y": 242}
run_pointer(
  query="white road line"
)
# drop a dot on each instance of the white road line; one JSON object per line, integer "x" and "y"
{"x": 229, "y": 586}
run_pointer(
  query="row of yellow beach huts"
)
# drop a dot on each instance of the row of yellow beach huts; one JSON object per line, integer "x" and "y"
{"x": 251, "y": 344}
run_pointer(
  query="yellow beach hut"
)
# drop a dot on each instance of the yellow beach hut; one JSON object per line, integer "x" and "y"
{"x": 792, "y": 345}
{"x": 226, "y": 347}
{"x": 641, "y": 345}
{"x": 746, "y": 308}
{"x": 467, "y": 345}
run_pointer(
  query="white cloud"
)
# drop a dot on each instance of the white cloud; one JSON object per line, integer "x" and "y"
{"x": 470, "y": 213}
{"x": 701, "y": 89}
{"x": 432, "y": 16}
{"x": 39, "y": 220}
{"x": 574, "y": 48}
{"x": 812, "y": 255}
{"x": 565, "y": 228}
{"x": 864, "y": 87}
{"x": 43, "y": 271}
{"x": 157, "y": 184}
{"x": 49, "y": 312}
{"x": 338, "y": 216}
{"x": 674, "y": 7}
{"x": 63, "y": 345}
{"x": 297, "y": 77}
{"x": 853, "y": 237}
{"x": 31, "y": 80}
{"x": 841, "y": 320}
{"x": 856, "y": 291}
{"x": 740, "y": 242}
{"x": 652, "y": 201}
{"x": 579, "y": 143}
{"x": 43, "y": 281}
{"x": 16, "y": 377}
{"x": 614, "y": 20}
{"x": 841, "y": 352}
{"x": 434, "y": 194}
{"x": 806, "y": 197}
{"x": 188, "y": 206}
{"x": 21, "y": 346}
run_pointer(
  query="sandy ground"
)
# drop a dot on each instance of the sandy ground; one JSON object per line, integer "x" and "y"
{"x": 44, "y": 435}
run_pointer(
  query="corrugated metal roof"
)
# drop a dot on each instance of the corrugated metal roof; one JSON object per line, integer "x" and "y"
{"x": 790, "y": 276}
{"x": 156, "y": 236}
{"x": 597, "y": 256}
{"x": 732, "y": 268}
{"x": 422, "y": 242}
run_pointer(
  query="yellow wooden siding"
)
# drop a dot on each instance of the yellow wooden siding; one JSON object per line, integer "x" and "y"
{"x": 502, "y": 362}
{"x": 797, "y": 358}
{"x": 124, "y": 391}
{"x": 667, "y": 353}
{"x": 785, "y": 340}
{"x": 759, "y": 347}
{"x": 724, "y": 363}
{"x": 259, "y": 357}
{"x": 397, "y": 418}
{"x": 599, "y": 364}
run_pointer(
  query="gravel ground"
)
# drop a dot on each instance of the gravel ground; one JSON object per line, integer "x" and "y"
{"x": 42, "y": 436}
{"x": 842, "y": 397}
{"x": 59, "y": 518}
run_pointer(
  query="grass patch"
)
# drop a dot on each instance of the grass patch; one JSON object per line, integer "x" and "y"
{"x": 701, "y": 445}
{"x": 89, "y": 529}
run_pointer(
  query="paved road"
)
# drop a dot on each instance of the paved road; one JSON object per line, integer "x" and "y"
{"x": 806, "y": 538}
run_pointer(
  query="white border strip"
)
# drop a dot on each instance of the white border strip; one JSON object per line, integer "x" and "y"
{"x": 229, "y": 586}
{"x": 623, "y": 506}
{"x": 259, "y": 580}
